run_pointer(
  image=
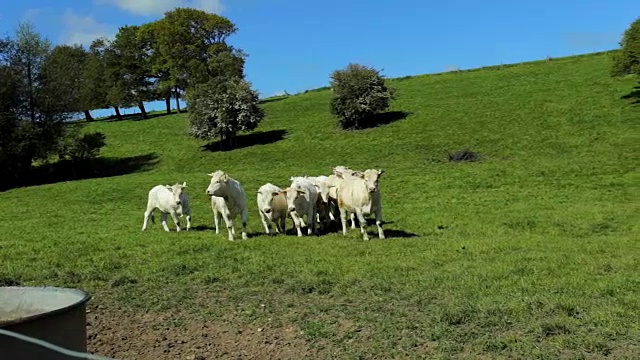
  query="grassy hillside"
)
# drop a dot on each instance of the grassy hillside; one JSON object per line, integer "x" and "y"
{"x": 530, "y": 253}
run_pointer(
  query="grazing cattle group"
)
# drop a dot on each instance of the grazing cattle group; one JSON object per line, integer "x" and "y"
{"x": 309, "y": 201}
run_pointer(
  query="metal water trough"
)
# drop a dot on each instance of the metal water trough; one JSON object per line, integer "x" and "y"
{"x": 55, "y": 315}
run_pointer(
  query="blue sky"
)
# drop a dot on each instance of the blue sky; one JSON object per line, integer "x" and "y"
{"x": 294, "y": 45}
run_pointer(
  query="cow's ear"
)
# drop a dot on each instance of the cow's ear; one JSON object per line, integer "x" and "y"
{"x": 302, "y": 191}
{"x": 317, "y": 186}
{"x": 184, "y": 184}
{"x": 210, "y": 174}
{"x": 380, "y": 172}
{"x": 169, "y": 187}
{"x": 224, "y": 177}
{"x": 276, "y": 193}
{"x": 358, "y": 174}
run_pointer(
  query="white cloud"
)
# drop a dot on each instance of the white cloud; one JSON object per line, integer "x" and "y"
{"x": 449, "y": 68}
{"x": 159, "y": 7}
{"x": 31, "y": 14}
{"x": 83, "y": 29}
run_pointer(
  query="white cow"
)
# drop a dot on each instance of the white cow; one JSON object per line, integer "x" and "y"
{"x": 272, "y": 205}
{"x": 169, "y": 199}
{"x": 302, "y": 196}
{"x": 372, "y": 181}
{"x": 338, "y": 172}
{"x": 321, "y": 183}
{"x": 332, "y": 195}
{"x": 359, "y": 194}
{"x": 228, "y": 200}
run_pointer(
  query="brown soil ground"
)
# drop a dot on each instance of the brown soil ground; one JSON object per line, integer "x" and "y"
{"x": 123, "y": 334}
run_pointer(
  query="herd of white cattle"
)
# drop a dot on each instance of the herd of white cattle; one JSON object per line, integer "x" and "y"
{"x": 319, "y": 199}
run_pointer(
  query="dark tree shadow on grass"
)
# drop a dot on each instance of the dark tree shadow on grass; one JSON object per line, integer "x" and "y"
{"x": 101, "y": 167}
{"x": 138, "y": 116}
{"x": 248, "y": 140}
{"x": 381, "y": 119}
{"x": 634, "y": 95}
{"x": 273, "y": 99}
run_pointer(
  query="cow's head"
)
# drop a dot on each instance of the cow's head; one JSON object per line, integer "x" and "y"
{"x": 371, "y": 177}
{"x": 343, "y": 171}
{"x": 218, "y": 183}
{"x": 292, "y": 193}
{"x": 176, "y": 191}
{"x": 267, "y": 198}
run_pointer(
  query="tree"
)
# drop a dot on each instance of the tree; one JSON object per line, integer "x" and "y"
{"x": 13, "y": 132}
{"x": 191, "y": 46}
{"x": 223, "y": 109}
{"x": 163, "y": 84}
{"x": 98, "y": 80}
{"x": 627, "y": 61}
{"x": 30, "y": 52}
{"x": 46, "y": 122}
{"x": 62, "y": 74}
{"x": 129, "y": 69}
{"x": 95, "y": 86}
{"x": 32, "y": 117}
{"x": 359, "y": 92}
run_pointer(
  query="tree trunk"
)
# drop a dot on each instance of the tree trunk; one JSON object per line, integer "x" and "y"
{"x": 32, "y": 101}
{"x": 87, "y": 115}
{"x": 142, "y": 110}
{"x": 177, "y": 93}
{"x": 168, "y": 102}
{"x": 118, "y": 115}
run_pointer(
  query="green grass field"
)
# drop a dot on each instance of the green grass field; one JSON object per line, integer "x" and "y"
{"x": 532, "y": 252}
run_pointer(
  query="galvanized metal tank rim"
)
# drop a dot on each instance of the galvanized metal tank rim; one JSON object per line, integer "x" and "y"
{"x": 84, "y": 297}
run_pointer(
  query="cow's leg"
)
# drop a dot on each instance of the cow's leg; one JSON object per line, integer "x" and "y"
{"x": 216, "y": 220}
{"x": 163, "y": 219}
{"x": 189, "y": 220}
{"x": 283, "y": 225}
{"x": 325, "y": 218}
{"x": 363, "y": 224}
{"x": 297, "y": 221}
{"x": 379, "y": 223}
{"x": 244, "y": 217}
{"x": 229, "y": 222}
{"x": 265, "y": 223}
{"x": 176, "y": 219}
{"x": 343, "y": 219}
{"x": 331, "y": 210}
{"x": 353, "y": 220}
{"x": 147, "y": 215}
{"x": 336, "y": 210}
{"x": 311, "y": 222}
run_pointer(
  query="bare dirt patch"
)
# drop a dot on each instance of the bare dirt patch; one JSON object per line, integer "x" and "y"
{"x": 124, "y": 334}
